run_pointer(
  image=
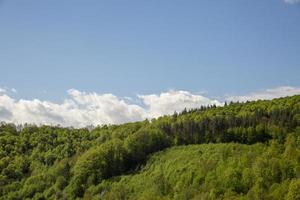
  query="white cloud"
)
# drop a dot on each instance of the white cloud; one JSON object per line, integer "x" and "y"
{"x": 292, "y": 1}
{"x": 266, "y": 94}
{"x": 80, "y": 109}
{"x": 168, "y": 102}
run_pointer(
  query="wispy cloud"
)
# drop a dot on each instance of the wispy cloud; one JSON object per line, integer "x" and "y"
{"x": 266, "y": 94}
{"x": 292, "y": 1}
{"x": 2, "y": 90}
{"x": 14, "y": 90}
{"x": 8, "y": 90}
{"x": 80, "y": 109}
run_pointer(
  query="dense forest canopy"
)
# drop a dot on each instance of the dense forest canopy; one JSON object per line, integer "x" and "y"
{"x": 239, "y": 151}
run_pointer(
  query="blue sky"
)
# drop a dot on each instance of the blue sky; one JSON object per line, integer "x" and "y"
{"x": 137, "y": 47}
{"x": 75, "y": 57}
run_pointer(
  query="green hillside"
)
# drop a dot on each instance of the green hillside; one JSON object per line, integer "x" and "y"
{"x": 238, "y": 151}
{"x": 211, "y": 171}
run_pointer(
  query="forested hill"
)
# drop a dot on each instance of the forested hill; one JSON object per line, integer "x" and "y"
{"x": 140, "y": 161}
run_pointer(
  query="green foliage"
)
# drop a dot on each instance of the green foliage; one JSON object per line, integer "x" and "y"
{"x": 141, "y": 160}
{"x": 208, "y": 171}
{"x": 96, "y": 164}
{"x": 294, "y": 190}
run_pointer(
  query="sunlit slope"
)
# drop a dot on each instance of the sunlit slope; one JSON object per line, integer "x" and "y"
{"x": 211, "y": 171}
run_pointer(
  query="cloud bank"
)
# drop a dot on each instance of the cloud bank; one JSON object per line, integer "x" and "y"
{"x": 81, "y": 109}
